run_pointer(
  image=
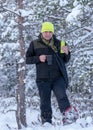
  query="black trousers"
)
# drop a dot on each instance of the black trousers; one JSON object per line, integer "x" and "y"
{"x": 59, "y": 88}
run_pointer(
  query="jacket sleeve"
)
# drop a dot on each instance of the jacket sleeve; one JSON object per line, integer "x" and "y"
{"x": 66, "y": 57}
{"x": 31, "y": 58}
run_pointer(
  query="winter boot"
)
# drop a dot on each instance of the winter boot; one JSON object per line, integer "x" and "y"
{"x": 46, "y": 117}
{"x": 70, "y": 115}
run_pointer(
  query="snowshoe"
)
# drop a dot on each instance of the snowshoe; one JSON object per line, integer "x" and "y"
{"x": 70, "y": 115}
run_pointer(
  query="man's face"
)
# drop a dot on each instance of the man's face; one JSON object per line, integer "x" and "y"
{"x": 47, "y": 35}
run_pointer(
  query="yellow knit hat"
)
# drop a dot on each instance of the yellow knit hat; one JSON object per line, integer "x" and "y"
{"x": 47, "y": 26}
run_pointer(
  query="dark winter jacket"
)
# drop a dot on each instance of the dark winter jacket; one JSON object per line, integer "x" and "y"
{"x": 44, "y": 71}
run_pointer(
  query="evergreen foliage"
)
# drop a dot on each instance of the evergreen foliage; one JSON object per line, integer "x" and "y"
{"x": 75, "y": 29}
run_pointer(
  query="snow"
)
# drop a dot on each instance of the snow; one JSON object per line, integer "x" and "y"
{"x": 1, "y": 16}
{"x": 8, "y": 119}
{"x": 63, "y": 2}
{"x": 21, "y": 60}
{"x": 81, "y": 39}
{"x": 8, "y": 105}
{"x": 73, "y": 16}
{"x": 25, "y": 13}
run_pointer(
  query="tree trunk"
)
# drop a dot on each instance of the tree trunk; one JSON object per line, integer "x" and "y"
{"x": 20, "y": 93}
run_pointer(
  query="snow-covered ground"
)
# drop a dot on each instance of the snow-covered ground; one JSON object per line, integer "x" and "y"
{"x": 8, "y": 119}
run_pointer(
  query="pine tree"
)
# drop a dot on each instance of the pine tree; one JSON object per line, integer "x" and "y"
{"x": 20, "y": 95}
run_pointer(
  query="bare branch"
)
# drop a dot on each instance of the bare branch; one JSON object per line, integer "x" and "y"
{"x": 7, "y": 9}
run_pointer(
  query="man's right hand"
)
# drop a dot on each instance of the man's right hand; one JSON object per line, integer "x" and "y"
{"x": 42, "y": 58}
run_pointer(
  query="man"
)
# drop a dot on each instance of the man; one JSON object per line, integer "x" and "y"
{"x": 49, "y": 77}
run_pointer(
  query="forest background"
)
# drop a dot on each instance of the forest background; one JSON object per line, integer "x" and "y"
{"x": 73, "y": 21}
